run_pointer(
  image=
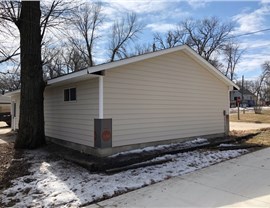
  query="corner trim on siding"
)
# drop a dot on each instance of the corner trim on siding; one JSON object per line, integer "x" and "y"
{"x": 100, "y": 97}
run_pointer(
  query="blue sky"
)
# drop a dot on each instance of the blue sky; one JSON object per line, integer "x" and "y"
{"x": 162, "y": 15}
{"x": 248, "y": 16}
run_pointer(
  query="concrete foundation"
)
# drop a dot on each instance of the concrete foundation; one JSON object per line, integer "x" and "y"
{"x": 104, "y": 152}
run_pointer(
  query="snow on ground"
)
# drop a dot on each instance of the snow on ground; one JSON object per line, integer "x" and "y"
{"x": 194, "y": 142}
{"x": 63, "y": 184}
{"x": 247, "y": 110}
{"x": 226, "y": 145}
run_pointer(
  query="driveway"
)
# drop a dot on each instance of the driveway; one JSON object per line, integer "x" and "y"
{"x": 241, "y": 182}
{"x": 4, "y": 129}
{"x": 241, "y": 126}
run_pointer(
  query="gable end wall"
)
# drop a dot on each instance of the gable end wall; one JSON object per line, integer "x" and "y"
{"x": 162, "y": 98}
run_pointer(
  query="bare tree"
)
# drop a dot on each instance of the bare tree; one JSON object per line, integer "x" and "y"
{"x": 123, "y": 33}
{"x": 73, "y": 60}
{"x": 249, "y": 85}
{"x": 259, "y": 86}
{"x": 6, "y": 55}
{"x": 232, "y": 54}
{"x": 31, "y": 124}
{"x": 87, "y": 19}
{"x": 61, "y": 60}
{"x": 171, "y": 39}
{"x": 10, "y": 80}
{"x": 206, "y": 36}
{"x": 53, "y": 13}
{"x": 264, "y": 76}
{"x": 8, "y": 31}
{"x": 217, "y": 64}
{"x": 140, "y": 49}
{"x": 26, "y": 16}
{"x": 53, "y": 62}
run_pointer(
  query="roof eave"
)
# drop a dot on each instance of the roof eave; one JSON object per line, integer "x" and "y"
{"x": 89, "y": 71}
{"x": 9, "y": 94}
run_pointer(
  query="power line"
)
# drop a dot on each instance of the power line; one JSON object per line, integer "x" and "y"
{"x": 251, "y": 33}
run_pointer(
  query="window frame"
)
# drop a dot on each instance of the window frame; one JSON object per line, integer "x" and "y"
{"x": 73, "y": 94}
{"x": 69, "y": 96}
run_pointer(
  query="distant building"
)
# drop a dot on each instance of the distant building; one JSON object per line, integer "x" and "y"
{"x": 5, "y": 109}
{"x": 4, "y": 104}
{"x": 249, "y": 99}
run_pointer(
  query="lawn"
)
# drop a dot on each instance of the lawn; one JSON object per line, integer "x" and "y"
{"x": 252, "y": 117}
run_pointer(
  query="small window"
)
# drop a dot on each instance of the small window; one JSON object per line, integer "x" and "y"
{"x": 70, "y": 94}
{"x": 66, "y": 95}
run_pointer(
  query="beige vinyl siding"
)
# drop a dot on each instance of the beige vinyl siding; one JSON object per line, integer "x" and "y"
{"x": 72, "y": 120}
{"x": 165, "y": 97}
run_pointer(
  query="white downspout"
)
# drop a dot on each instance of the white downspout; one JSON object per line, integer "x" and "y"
{"x": 100, "y": 97}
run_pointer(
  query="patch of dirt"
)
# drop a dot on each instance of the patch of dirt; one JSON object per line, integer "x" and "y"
{"x": 6, "y": 155}
{"x": 12, "y": 164}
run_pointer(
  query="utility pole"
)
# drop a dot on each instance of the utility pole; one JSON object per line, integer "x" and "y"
{"x": 243, "y": 81}
{"x": 238, "y": 111}
{"x": 242, "y": 91}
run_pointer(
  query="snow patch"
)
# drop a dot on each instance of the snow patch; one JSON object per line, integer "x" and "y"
{"x": 191, "y": 143}
{"x": 61, "y": 183}
{"x": 226, "y": 145}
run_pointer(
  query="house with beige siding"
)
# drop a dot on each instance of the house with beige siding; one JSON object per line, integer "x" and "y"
{"x": 4, "y": 104}
{"x": 160, "y": 97}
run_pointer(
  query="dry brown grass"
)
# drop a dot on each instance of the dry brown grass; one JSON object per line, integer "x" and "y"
{"x": 259, "y": 137}
{"x": 252, "y": 117}
{"x": 263, "y": 138}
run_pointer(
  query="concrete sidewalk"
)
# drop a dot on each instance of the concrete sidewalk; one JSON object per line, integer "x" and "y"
{"x": 241, "y": 182}
{"x": 242, "y": 126}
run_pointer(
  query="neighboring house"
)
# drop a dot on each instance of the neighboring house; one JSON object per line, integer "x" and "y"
{"x": 5, "y": 109}
{"x": 4, "y": 104}
{"x": 160, "y": 97}
{"x": 249, "y": 99}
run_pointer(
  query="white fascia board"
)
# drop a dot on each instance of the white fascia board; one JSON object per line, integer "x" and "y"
{"x": 114, "y": 64}
{"x": 9, "y": 94}
{"x": 142, "y": 57}
{"x": 131, "y": 60}
{"x": 67, "y": 77}
{"x": 184, "y": 48}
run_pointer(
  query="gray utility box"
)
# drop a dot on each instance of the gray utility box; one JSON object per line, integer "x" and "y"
{"x": 103, "y": 133}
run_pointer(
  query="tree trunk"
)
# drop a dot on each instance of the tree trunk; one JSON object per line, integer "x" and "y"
{"x": 31, "y": 124}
